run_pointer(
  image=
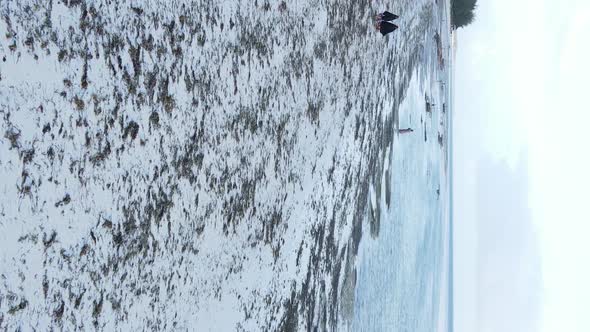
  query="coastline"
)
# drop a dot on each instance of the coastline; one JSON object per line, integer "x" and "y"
{"x": 445, "y": 88}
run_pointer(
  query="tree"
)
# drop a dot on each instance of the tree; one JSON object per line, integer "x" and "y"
{"x": 462, "y": 12}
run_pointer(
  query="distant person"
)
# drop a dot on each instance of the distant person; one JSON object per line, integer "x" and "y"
{"x": 382, "y": 22}
{"x": 405, "y": 130}
{"x": 385, "y": 27}
{"x": 386, "y": 16}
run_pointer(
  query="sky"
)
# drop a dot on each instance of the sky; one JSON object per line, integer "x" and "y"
{"x": 522, "y": 173}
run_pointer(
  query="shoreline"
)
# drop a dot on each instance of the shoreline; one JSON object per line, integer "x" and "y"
{"x": 373, "y": 213}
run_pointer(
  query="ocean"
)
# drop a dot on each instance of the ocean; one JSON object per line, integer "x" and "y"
{"x": 404, "y": 275}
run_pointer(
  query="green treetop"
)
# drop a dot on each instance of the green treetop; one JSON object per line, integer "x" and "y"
{"x": 462, "y": 12}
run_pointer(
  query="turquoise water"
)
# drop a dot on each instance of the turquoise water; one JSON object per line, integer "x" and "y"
{"x": 403, "y": 281}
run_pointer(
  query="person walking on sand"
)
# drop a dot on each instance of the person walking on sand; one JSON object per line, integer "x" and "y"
{"x": 383, "y": 24}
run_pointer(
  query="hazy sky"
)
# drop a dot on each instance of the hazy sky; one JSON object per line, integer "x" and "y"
{"x": 522, "y": 183}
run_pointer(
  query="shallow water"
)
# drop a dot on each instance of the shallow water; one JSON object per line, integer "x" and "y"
{"x": 403, "y": 274}
{"x": 400, "y": 272}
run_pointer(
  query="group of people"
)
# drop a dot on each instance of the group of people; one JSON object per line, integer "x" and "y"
{"x": 382, "y": 22}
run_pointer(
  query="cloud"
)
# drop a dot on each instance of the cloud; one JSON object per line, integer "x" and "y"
{"x": 508, "y": 255}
